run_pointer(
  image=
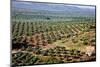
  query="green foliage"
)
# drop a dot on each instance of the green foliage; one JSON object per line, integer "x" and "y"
{"x": 21, "y": 58}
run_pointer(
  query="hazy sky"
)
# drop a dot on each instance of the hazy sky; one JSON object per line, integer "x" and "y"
{"x": 80, "y": 6}
{"x": 49, "y": 6}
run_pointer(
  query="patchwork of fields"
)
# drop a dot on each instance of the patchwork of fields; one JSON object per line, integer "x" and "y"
{"x": 52, "y": 34}
{"x": 51, "y": 40}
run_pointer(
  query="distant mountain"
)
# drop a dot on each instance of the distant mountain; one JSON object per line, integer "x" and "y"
{"x": 51, "y": 8}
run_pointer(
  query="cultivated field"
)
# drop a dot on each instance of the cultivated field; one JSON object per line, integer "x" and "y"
{"x": 59, "y": 41}
{"x": 48, "y": 37}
